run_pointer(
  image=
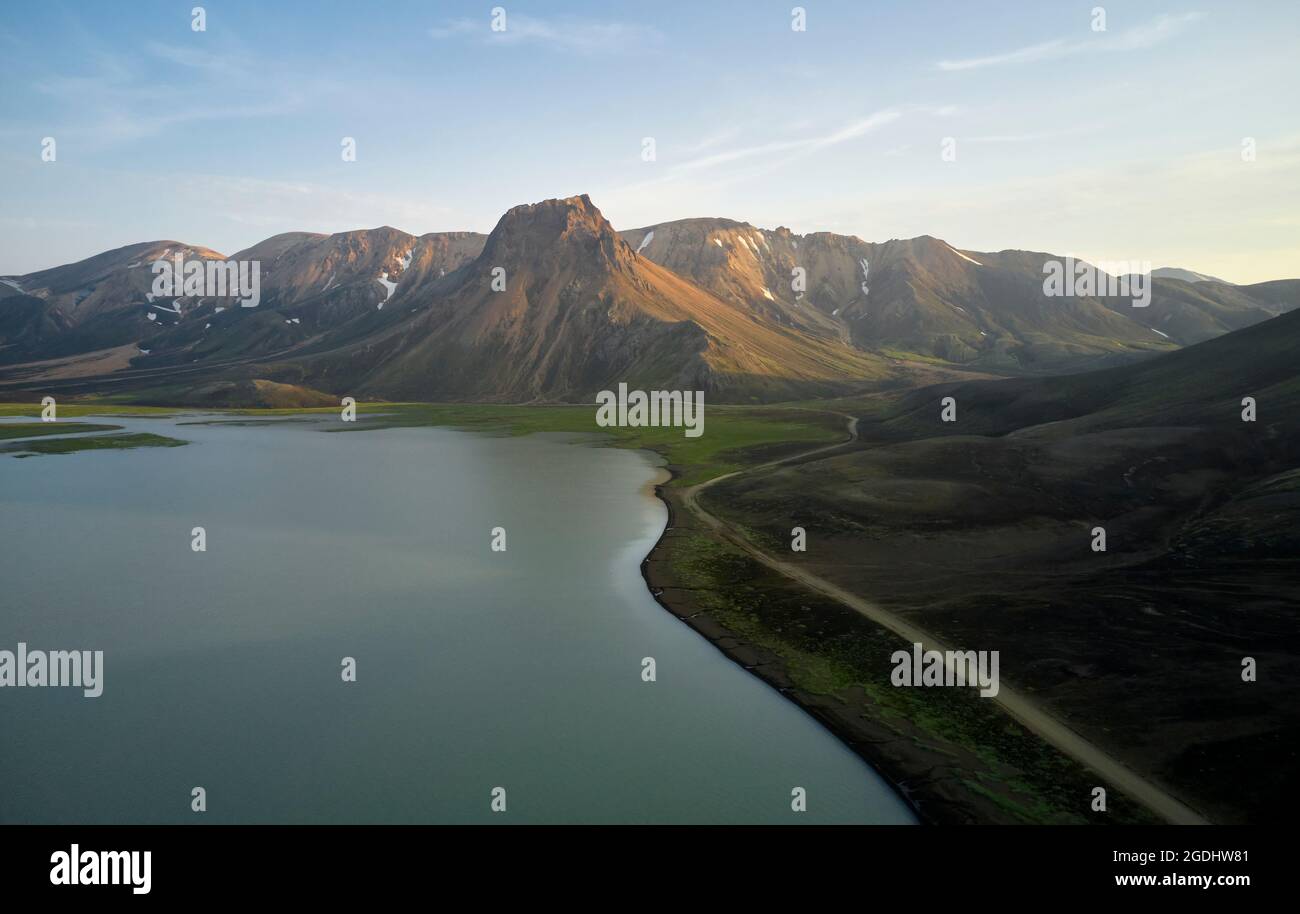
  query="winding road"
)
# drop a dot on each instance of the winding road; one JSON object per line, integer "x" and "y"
{"x": 1023, "y": 709}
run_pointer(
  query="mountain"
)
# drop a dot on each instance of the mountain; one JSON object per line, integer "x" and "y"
{"x": 742, "y": 312}
{"x": 740, "y": 264}
{"x": 309, "y": 284}
{"x": 96, "y": 303}
{"x": 315, "y": 288}
{"x": 300, "y": 268}
{"x": 985, "y": 531}
{"x": 580, "y": 311}
{"x": 922, "y": 298}
{"x": 1184, "y": 275}
{"x": 1189, "y": 312}
{"x": 1201, "y": 385}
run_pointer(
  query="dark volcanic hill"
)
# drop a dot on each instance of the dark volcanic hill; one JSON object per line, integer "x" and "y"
{"x": 983, "y": 530}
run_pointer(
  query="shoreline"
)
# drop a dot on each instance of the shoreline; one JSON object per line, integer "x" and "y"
{"x": 758, "y": 662}
{"x": 761, "y": 621}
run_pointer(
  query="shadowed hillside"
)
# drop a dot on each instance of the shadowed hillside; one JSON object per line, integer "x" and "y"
{"x": 983, "y": 531}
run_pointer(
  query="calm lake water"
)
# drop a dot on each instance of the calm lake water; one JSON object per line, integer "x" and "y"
{"x": 475, "y": 669}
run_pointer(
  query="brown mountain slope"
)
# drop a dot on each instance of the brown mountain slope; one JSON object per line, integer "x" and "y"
{"x": 1191, "y": 312}
{"x": 97, "y": 303}
{"x": 921, "y": 297}
{"x": 713, "y": 303}
{"x": 738, "y": 263}
{"x": 313, "y": 288}
{"x": 302, "y": 267}
{"x": 580, "y": 312}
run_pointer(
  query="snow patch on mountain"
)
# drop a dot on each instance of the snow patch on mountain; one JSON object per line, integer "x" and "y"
{"x": 963, "y": 256}
{"x": 649, "y": 236}
{"x": 389, "y": 288}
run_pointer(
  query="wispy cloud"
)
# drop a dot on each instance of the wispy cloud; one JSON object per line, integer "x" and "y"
{"x": 1014, "y": 138}
{"x": 713, "y": 140}
{"x": 585, "y": 36}
{"x": 116, "y": 98}
{"x": 692, "y": 181}
{"x": 1137, "y": 38}
{"x": 799, "y": 146}
{"x": 204, "y": 61}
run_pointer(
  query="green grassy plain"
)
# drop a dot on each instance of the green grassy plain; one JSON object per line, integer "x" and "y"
{"x": 734, "y": 436}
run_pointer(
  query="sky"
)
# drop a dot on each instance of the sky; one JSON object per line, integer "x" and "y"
{"x": 1170, "y": 137}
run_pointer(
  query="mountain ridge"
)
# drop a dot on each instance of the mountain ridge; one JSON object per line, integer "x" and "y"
{"x": 746, "y": 313}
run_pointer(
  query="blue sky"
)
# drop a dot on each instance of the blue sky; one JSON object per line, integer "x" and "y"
{"x": 1122, "y": 144}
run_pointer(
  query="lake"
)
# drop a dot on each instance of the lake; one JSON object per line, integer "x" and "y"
{"x": 475, "y": 669}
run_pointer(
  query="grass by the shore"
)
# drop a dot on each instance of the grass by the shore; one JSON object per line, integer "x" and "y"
{"x": 81, "y": 408}
{"x": 40, "y": 429}
{"x": 90, "y": 443}
{"x": 828, "y": 650}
